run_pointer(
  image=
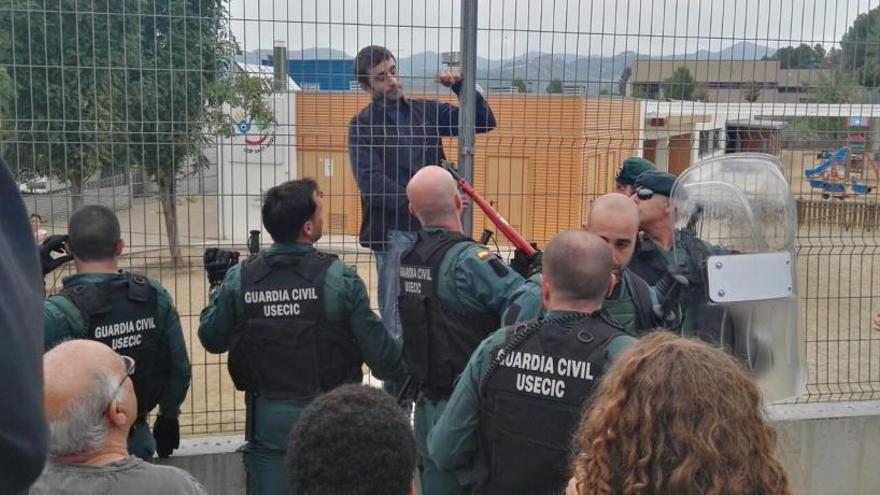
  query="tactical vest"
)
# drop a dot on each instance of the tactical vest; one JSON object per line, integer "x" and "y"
{"x": 286, "y": 348}
{"x": 122, "y": 313}
{"x": 641, "y": 300}
{"x": 438, "y": 339}
{"x": 531, "y": 399}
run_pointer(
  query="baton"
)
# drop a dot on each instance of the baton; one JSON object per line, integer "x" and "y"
{"x": 509, "y": 232}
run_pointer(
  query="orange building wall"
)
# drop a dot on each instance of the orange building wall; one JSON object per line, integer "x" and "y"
{"x": 568, "y": 148}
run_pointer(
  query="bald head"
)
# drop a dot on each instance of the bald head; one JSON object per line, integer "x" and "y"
{"x": 577, "y": 267}
{"x": 615, "y": 218}
{"x": 82, "y": 379}
{"x": 433, "y": 197}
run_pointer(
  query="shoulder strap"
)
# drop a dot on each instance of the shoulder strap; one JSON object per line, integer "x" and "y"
{"x": 429, "y": 246}
{"x": 89, "y": 299}
{"x": 139, "y": 288}
{"x": 641, "y": 299}
{"x": 315, "y": 264}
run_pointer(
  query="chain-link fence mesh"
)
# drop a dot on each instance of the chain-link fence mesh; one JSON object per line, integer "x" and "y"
{"x": 141, "y": 105}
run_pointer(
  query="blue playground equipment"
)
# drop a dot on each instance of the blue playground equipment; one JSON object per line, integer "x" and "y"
{"x": 827, "y": 177}
{"x": 839, "y": 156}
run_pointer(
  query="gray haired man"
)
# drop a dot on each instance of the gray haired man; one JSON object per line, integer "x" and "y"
{"x": 91, "y": 406}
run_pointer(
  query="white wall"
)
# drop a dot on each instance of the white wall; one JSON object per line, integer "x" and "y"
{"x": 246, "y": 171}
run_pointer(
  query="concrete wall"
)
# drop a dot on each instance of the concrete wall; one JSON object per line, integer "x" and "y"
{"x": 827, "y": 449}
{"x": 830, "y": 448}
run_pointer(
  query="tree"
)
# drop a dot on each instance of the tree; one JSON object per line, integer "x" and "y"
{"x": 624, "y": 78}
{"x": 555, "y": 86}
{"x": 701, "y": 93}
{"x": 752, "y": 92}
{"x": 61, "y": 100}
{"x": 680, "y": 85}
{"x": 840, "y": 87}
{"x": 860, "y": 48}
{"x": 802, "y": 56}
{"x": 520, "y": 85}
{"x": 179, "y": 107}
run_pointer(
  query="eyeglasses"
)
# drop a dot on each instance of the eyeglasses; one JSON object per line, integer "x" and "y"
{"x": 129, "y": 364}
{"x": 644, "y": 193}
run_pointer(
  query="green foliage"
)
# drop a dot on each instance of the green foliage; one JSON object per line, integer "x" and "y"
{"x": 520, "y": 85}
{"x": 625, "y": 75}
{"x": 840, "y": 87}
{"x": 680, "y": 85}
{"x": 860, "y": 48}
{"x": 59, "y": 96}
{"x": 752, "y": 92}
{"x": 119, "y": 83}
{"x": 803, "y": 56}
{"x": 555, "y": 87}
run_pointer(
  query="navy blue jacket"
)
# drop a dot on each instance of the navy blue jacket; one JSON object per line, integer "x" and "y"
{"x": 388, "y": 143}
{"x": 23, "y": 434}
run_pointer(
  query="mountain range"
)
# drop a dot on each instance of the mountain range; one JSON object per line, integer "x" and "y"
{"x": 594, "y": 72}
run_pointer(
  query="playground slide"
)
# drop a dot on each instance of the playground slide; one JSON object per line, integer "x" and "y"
{"x": 822, "y": 167}
{"x": 825, "y": 164}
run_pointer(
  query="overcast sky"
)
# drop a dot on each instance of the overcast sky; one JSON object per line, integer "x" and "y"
{"x": 512, "y": 27}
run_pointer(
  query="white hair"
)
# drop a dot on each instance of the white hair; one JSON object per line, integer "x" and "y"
{"x": 82, "y": 426}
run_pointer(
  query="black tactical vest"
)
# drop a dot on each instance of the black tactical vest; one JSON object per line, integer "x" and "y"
{"x": 531, "y": 399}
{"x": 286, "y": 348}
{"x": 438, "y": 339}
{"x": 122, "y": 313}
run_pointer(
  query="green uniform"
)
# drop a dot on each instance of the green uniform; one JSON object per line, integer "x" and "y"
{"x": 650, "y": 262}
{"x": 64, "y": 321}
{"x": 345, "y": 300}
{"x": 452, "y": 443}
{"x": 466, "y": 280}
{"x": 619, "y": 308}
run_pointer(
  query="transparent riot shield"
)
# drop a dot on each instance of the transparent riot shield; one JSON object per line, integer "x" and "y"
{"x": 735, "y": 222}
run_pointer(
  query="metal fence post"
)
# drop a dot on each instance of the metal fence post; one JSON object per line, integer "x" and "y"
{"x": 467, "y": 116}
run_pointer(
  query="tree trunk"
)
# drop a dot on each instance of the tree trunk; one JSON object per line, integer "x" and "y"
{"x": 76, "y": 195}
{"x": 168, "y": 199}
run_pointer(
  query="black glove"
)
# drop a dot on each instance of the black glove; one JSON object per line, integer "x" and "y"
{"x": 57, "y": 244}
{"x": 526, "y": 265}
{"x": 166, "y": 431}
{"x": 217, "y": 263}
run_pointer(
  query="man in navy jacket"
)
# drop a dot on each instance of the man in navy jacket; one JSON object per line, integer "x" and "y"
{"x": 388, "y": 142}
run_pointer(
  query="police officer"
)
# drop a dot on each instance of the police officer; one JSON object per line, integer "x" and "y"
{"x": 520, "y": 397}
{"x": 452, "y": 293}
{"x": 630, "y": 170}
{"x": 132, "y": 314}
{"x": 296, "y": 323}
{"x": 664, "y": 246}
{"x": 630, "y": 306}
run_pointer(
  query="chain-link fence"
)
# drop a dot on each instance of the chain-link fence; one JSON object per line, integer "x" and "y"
{"x": 145, "y": 106}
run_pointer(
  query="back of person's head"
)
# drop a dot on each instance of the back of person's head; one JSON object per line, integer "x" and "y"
{"x": 287, "y": 207}
{"x": 354, "y": 440}
{"x": 674, "y": 415}
{"x": 367, "y": 58}
{"x": 433, "y": 197}
{"x": 578, "y": 266}
{"x": 87, "y": 396}
{"x": 94, "y": 233}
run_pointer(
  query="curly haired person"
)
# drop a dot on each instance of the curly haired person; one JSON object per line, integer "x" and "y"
{"x": 674, "y": 415}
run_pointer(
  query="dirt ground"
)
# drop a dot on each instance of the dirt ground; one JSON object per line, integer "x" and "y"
{"x": 838, "y": 285}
